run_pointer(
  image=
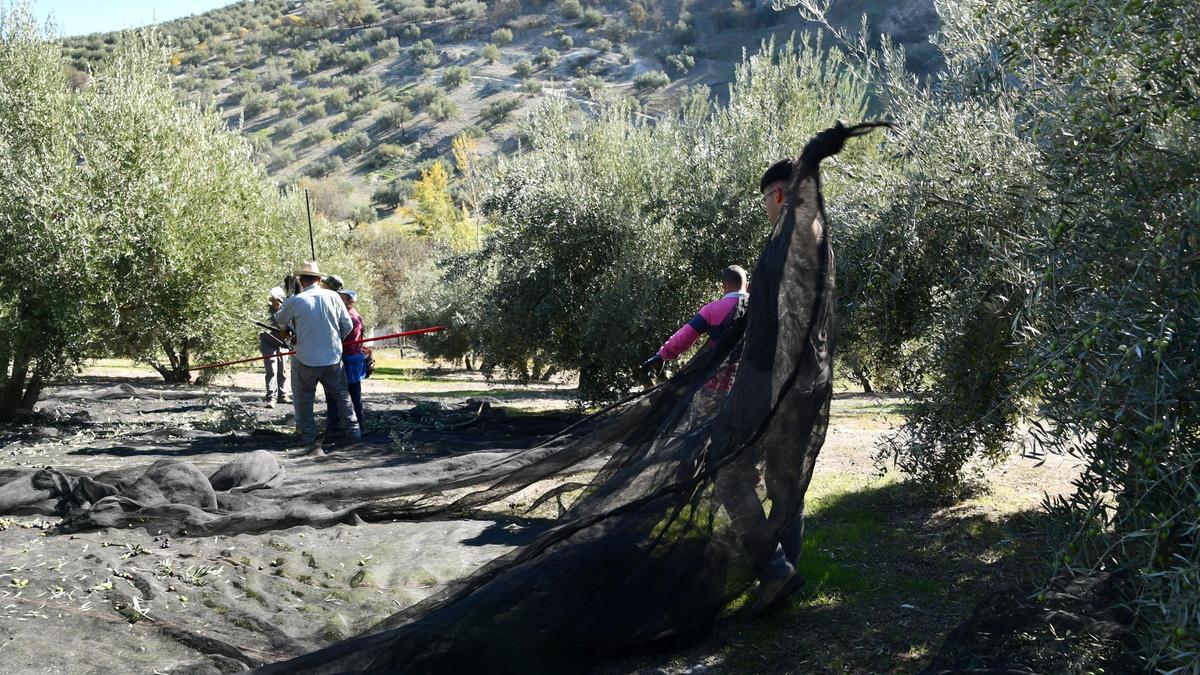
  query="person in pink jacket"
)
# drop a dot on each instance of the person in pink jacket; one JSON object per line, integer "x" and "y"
{"x": 712, "y": 320}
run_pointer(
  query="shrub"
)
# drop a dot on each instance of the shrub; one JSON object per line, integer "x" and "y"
{"x": 281, "y": 157}
{"x": 616, "y": 31}
{"x": 490, "y": 53}
{"x": 570, "y": 9}
{"x": 355, "y": 61}
{"x": 455, "y": 76}
{"x": 355, "y": 143}
{"x": 358, "y": 109}
{"x": 531, "y": 86}
{"x": 388, "y": 153}
{"x": 255, "y": 105}
{"x": 523, "y": 69}
{"x": 466, "y": 10}
{"x": 395, "y": 116}
{"x": 324, "y": 166}
{"x": 392, "y": 194}
{"x": 601, "y": 44}
{"x": 372, "y": 35}
{"x": 497, "y": 111}
{"x": 638, "y": 15}
{"x": 424, "y": 94}
{"x": 363, "y": 214}
{"x": 411, "y": 31}
{"x": 546, "y": 58}
{"x": 249, "y": 55}
{"x": 336, "y": 100}
{"x": 363, "y": 85}
{"x": 502, "y": 36}
{"x": 589, "y": 85}
{"x": 286, "y": 128}
{"x": 287, "y": 107}
{"x": 472, "y": 131}
{"x": 314, "y": 112}
{"x": 276, "y": 71}
{"x": 460, "y": 32}
{"x": 649, "y": 81}
{"x": 429, "y": 61}
{"x": 421, "y": 48}
{"x": 683, "y": 31}
{"x": 443, "y": 109}
{"x": 683, "y": 62}
{"x": 352, "y": 12}
{"x": 566, "y": 41}
{"x": 318, "y": 136}
{"x": 388, "y": 47}
{"x": 591, "y": 18}
{"x": 327, "y": 52}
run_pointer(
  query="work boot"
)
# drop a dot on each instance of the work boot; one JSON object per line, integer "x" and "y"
{"x": 340, "y": 439}
{"x": 776, "y": 582}
{"x": 773, "y": 592}
{"x": 306, "y": 448}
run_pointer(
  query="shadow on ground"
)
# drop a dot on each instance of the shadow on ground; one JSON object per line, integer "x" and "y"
{"x": 887, "y": 579}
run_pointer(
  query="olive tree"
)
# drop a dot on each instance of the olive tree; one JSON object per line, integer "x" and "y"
{"x": 1048, "y": 196}
{"x": 49, "y": 283}
{"x": 189, "y": 218}
{"x": 661, "y": 206}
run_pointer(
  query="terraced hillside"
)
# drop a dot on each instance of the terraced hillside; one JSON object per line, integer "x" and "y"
{"x": 356, "y": 97}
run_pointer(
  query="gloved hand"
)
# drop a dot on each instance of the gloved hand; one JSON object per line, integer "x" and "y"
{"x": 652, "y": 366}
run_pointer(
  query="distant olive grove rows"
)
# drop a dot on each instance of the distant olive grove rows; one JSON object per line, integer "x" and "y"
{"x": 370, "y": 94}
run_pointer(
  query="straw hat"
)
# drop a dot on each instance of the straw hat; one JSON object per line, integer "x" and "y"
{"x": 308, "y": 269}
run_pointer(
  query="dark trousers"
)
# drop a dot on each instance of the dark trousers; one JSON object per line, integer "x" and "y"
{"x": 334, "y": 424}
{"x": 304, "y": 390}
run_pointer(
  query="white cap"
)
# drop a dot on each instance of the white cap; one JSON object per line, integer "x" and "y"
{"x": 277, "y": 293}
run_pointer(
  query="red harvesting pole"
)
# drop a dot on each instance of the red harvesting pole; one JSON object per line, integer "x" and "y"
{"x": 418, "y": 331}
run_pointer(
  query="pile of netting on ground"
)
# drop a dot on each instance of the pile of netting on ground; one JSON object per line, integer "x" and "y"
{"x": 671, "y": 502}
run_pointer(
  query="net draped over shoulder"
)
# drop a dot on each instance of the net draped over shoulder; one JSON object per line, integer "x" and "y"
{"x": 689, "y": 497}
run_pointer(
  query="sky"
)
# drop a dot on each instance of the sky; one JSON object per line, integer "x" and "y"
{"x": 80, "y": 17}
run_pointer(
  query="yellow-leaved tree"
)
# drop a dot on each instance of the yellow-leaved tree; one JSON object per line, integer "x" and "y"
{"x": 436, "y": 214}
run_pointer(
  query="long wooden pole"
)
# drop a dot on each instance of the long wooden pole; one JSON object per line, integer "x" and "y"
{"x": 312, "y": 242}
{"x": 418, "y": 331}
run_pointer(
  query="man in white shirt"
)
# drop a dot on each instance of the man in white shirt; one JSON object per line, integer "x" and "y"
{"x": 320, "y": 321}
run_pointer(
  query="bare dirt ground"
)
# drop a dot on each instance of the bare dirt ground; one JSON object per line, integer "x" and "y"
{"x": 887, "y": 576}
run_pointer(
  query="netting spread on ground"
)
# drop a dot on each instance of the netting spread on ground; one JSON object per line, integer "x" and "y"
{"x": 670, "y": 503}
